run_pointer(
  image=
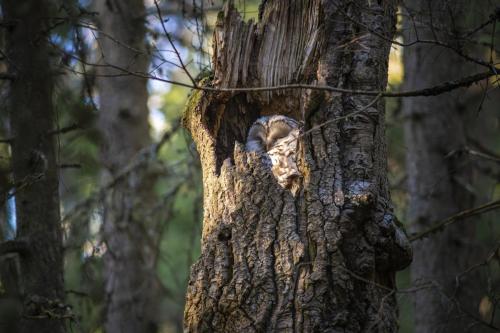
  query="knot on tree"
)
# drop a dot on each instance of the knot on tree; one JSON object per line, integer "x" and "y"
{"x": 394, "y": 251}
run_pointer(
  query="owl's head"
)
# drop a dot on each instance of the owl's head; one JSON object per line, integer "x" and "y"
{"x": 267, "y": 131}
{"x": 277, "y": 136}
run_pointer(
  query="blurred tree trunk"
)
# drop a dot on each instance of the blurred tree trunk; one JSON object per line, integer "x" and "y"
{"x": 325, "y": 260}
{"x": 439, "y": 176}
{"x": 39, "y": 279}
{"x": 130, "y": 277}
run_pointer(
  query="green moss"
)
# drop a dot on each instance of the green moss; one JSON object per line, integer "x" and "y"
{"x": 220, "y": 16}
{"x": 205, "y": 73}
{"x": 191, "y": 104}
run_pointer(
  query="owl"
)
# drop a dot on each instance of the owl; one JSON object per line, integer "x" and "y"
{"x": 277, "y": 137}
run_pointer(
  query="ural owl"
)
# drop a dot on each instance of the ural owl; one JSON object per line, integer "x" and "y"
{"x": 277, "y": 136}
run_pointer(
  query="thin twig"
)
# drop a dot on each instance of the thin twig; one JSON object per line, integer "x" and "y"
{"x": 418, "y": 41}
{"x": 64, "y": 130}
{"x": 454, "y": 218}
{"x": 172, "y": 43}
{"x": 143, "y": 156}
{"x": 369, "y": 105}
{"x": 69, "y": 166}
{"x": 483, "y": 155}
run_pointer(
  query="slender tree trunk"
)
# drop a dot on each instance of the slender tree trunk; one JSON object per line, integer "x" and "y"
{"x": 131, "y": 289}
{"x": 438, "y": 175}
{"x": 325, "y": 259}
{"x": 40, "y": 275}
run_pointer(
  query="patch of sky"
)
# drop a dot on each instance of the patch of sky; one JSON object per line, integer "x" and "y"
{"x": 11, "y": 216}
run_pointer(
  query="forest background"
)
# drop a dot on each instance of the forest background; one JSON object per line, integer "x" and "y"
{"x": 178, "y": 42}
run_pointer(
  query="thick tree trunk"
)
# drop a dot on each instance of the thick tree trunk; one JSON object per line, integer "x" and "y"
{"x": 325, "y": 259}
{"x": 437, "y": 177}
{"x": 130, "y": 279}
{"x": 40, "y": 274}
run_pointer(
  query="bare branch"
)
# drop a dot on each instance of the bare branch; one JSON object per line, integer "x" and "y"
{"x": 431, "y": 91}
{"x": 64, "y": 130}
{"x": 454, "y": 218}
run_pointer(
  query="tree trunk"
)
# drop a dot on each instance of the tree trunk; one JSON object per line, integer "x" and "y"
{"x": 437, "y": 176}
{"x": 129, "y": 263}
{"x": 325, "y": 259}
{"x": 39, "y": 237}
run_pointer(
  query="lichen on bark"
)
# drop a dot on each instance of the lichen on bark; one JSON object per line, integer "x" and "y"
{"x": 325, "y": 260}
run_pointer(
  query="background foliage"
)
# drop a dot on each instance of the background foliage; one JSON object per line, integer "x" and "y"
{"x": 77, "y": 104}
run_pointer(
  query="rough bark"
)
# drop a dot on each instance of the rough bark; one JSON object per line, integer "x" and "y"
{"x": 38, "y": 269}
{"x": 437, "y": 177}
{"x": 129, "y": 263}
{"x": 325, "y": 260}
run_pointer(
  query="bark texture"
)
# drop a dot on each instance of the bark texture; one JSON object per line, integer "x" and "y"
{"x": 325, "y": 260}
{"x": 438, "y": 177}
{"x": 40, "y": 272}
{"x": 129, "y": 263}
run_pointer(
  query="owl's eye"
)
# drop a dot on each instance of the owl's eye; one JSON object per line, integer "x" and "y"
{"x": 279, "y": 133}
